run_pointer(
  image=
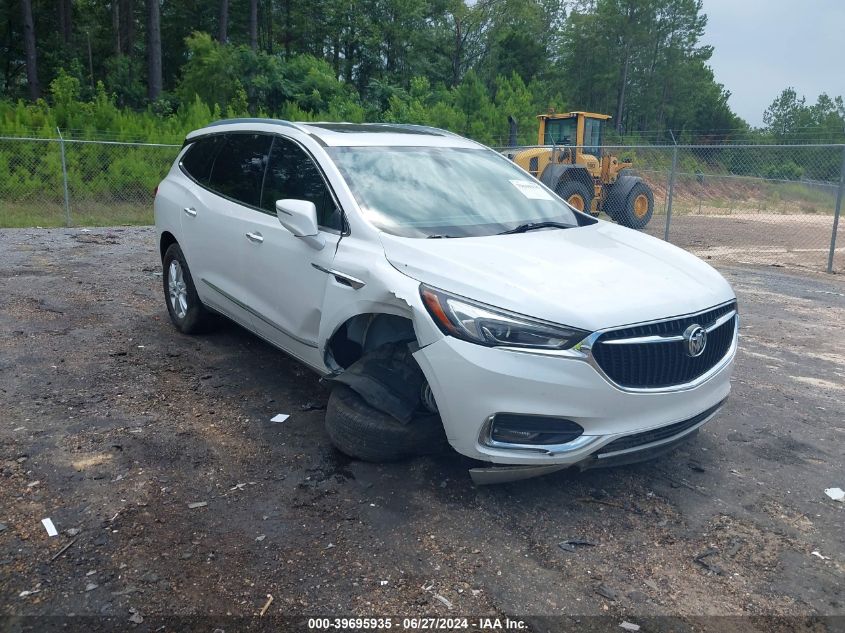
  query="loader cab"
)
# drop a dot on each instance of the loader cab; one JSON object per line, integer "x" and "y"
{"x": 584, "y": 130}
{"x": 558, "y": 131}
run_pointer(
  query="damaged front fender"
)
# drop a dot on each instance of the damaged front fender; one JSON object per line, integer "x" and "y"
{"x": 388, "y": 379}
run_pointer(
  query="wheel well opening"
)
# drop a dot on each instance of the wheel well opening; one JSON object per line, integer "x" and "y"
{"x": 365, "y": 332}
{"x": 166, "y": 240}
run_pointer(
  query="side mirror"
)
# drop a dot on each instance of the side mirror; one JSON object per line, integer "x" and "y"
{"x": 297, "y": 216}
{"x": 300, "y": 218}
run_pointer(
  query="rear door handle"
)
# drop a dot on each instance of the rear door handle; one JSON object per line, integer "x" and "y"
{"x": 255, "y": 237}
{"x": 190, "y": 211}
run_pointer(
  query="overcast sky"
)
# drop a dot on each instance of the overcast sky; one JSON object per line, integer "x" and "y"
{"x": 763, "y": 46}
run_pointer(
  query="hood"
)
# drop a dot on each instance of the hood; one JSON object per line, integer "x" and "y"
{"x": 590, "y": 277}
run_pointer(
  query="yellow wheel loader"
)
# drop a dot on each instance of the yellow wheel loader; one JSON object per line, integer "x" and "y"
{"x": 569, "y": 159}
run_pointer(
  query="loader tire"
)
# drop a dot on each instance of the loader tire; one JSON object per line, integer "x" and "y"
{"x": 637, "y": 209}
{"x": 577, "y": 194}
{"x": 363, "y": 432}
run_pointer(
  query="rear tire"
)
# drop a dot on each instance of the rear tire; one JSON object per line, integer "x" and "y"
{"x": 183, "y": 303}
{"x": 360, "y": 431}
{"x": 638, "y": 208}
{"x": 577, "y": 194}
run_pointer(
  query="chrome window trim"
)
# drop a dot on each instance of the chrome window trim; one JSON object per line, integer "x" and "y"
{"x": 343, "y": 231}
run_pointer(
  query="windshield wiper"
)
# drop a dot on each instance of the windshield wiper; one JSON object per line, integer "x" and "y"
{"x": 531, "y": 226}
{"x": 438, "y": 237}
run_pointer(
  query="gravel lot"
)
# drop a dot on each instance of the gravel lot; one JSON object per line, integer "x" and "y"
{"x": 799, "y": 241}
{"x": 113, "y": 425}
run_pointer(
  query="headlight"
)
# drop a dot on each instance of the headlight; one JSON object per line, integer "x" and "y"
{"x": 486, "y": 325}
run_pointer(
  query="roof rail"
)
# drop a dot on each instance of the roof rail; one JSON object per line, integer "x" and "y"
{"x": 252, "y": 120}
{"x": 430, "y": 128}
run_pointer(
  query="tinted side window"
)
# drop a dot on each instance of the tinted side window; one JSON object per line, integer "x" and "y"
{"x": 199, "y": 158}
{"x": 238, "y": 170}
{"x": 292, "y": 174}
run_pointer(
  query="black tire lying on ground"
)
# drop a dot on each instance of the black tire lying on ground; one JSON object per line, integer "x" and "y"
{"x": 363, "y": 432}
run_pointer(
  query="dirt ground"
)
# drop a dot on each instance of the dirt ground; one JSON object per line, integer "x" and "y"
{"x": 114, "y": 426}
{"x": 788, "y": 240}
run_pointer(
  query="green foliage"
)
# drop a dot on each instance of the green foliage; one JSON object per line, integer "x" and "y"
{"x": 641, "y": 61}
{"x": 784, "y": 171}
{"x": 124, "y": 80}
{"x": 465, "y": 67}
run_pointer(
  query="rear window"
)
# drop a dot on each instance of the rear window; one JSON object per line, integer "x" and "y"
{"x": 238, "y": 170}
{"x": 199, "y": 158}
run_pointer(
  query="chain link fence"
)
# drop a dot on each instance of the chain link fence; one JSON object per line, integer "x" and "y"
{"x": 758, "y": 204}
{"x": 63, "y": 182}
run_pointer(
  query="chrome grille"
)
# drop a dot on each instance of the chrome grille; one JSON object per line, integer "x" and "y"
{"x": 653, "y": 364}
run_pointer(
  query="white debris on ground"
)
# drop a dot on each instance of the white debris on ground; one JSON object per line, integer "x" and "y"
{"x": 837, "y": 494}
{"x": 48, "y": 525}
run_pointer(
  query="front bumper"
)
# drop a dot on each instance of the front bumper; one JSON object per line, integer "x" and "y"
{"x": 471, "y": 383}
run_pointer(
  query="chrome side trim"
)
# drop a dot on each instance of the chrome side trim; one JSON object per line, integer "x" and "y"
{"x": 485, "y": 438}
{"x": 645, "y": 447}
{"x": 656, "y": 338}
{"x": 636, "y": 340}
{"x": 721, "y": 320}
{"x": 354, "y": 282}
{"x": 258, "y": 315}
{"x": 249, "y": 327}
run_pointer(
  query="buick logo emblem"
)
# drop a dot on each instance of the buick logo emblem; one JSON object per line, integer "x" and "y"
{"x": 695, "y": 340}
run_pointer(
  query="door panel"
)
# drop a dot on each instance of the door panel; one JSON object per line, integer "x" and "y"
{"x": 284, "y": 275}
{"x": 213, "y": 219}
{"x": 216, "y": 243}
{"x": 285, "y": 290}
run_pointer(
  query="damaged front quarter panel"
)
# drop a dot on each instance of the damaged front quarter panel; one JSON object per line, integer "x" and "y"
{"x": 369, "y": 333}
{"x": 388, "y": 379}
{"x": 386, "y": 291}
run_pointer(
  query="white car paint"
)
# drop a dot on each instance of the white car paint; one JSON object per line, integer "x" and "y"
{"x": 593, "y": 277}
{"x": 624, "y": 276}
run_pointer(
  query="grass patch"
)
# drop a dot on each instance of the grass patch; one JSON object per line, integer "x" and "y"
{"x": 51, "y": 214}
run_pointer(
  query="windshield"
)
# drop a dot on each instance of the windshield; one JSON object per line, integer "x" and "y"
{"x": 445, "y": 191}
{"x": 560, "y": 132}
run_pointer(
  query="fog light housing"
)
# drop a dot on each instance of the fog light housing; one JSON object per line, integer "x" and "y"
{"x": 533, "y": 430}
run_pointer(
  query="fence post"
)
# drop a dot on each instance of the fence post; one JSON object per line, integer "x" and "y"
{"x": 671, "y": 188}
{"x": 64, "y": 177}
{"x": 836, "y": 213}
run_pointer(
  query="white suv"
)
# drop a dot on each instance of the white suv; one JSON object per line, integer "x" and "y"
{"x": 439, "y": 286}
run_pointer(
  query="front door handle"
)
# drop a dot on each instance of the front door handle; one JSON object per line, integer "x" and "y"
{"x": 255, "y": 237}
{"x": 190, "y": 211}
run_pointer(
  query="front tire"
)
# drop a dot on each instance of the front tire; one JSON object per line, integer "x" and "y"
{"x": 360, "y": 431}
{"x": 183, "y": 303}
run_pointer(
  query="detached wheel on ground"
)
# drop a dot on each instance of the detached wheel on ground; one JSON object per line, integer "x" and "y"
{"x": 183, "y": 304}
{"x": 577, "y": 194}
{"x": 363, "y": 432}
{"x": 637, "y": 209}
